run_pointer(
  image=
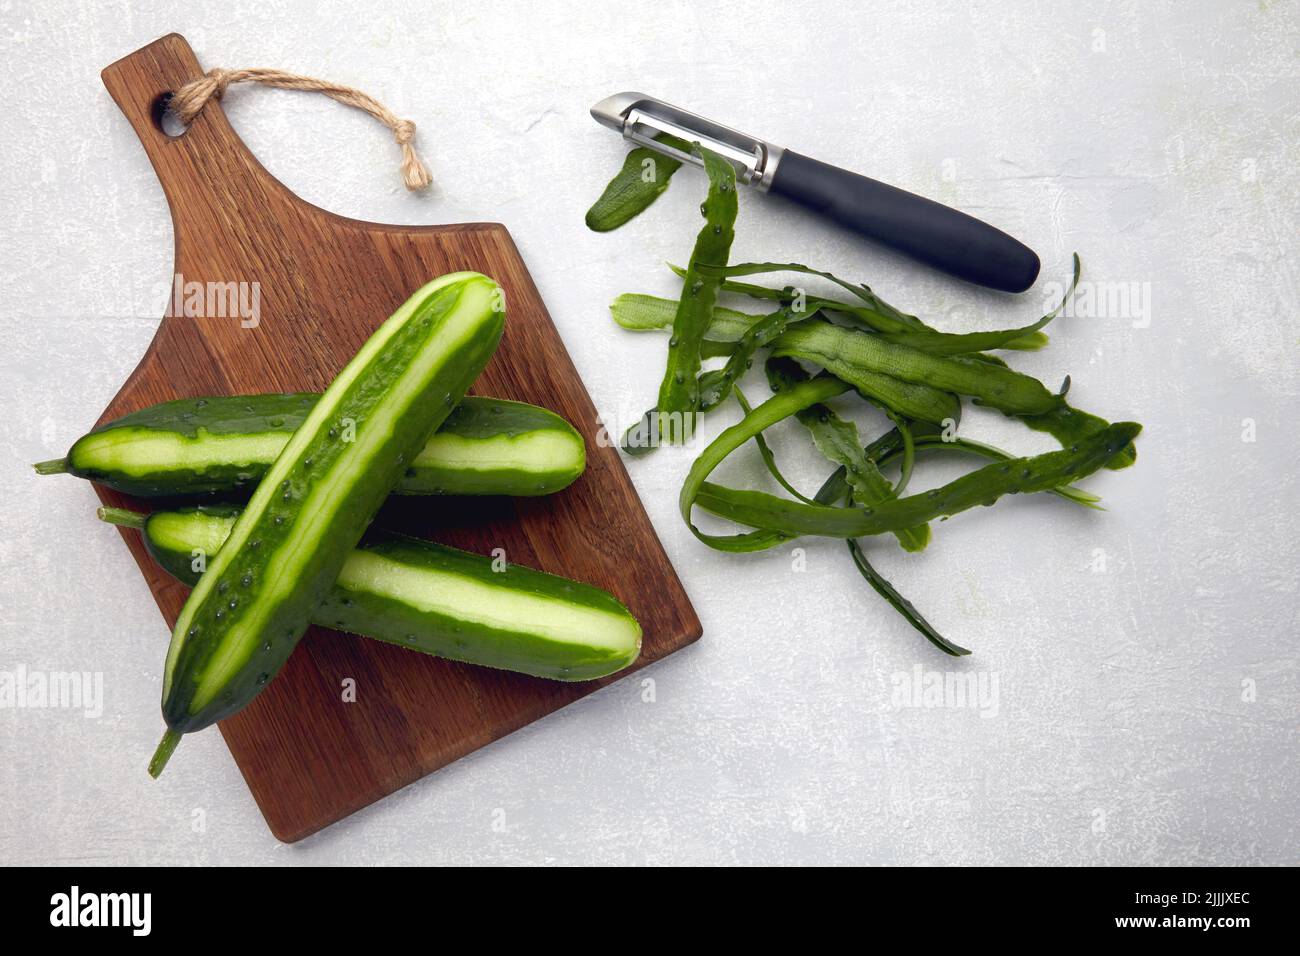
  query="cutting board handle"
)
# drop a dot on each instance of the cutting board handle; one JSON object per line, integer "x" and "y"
{"x": 207, "y": 168}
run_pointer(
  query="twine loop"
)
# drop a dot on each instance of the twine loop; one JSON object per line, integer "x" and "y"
{"x": 189, "y": 100}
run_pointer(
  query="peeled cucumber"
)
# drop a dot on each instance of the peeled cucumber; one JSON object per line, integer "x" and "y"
{"x": 433, "y": 599}
{"x": 223, "y": 445}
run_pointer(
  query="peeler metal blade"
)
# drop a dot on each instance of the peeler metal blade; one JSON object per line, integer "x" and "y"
{"x": 640, "y": 118}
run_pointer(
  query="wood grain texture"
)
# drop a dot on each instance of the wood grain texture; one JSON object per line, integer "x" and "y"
{"x": 326, "y": 283}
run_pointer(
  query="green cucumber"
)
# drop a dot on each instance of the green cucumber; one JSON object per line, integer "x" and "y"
{"x": 432, "y": 598}
{"x": 252, "y": 604}
{"x": 223, "y": 445}
{"x": 488, "y": 446}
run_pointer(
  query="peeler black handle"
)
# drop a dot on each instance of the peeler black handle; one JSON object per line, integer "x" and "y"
{"x": 929, "y": 232}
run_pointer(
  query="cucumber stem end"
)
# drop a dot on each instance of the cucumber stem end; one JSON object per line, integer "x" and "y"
{"x": 55, "y": 466}
{"x": 164, "y": 752}
{"x": 122, "y": 517}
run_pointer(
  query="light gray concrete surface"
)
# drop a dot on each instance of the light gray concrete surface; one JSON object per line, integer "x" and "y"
{"x": 1144, "y": 658}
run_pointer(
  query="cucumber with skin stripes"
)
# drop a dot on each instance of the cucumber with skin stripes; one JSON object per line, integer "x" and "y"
{"x": 488, "y": 446}
{"x": 252, "y": 604}
{"x": 433, "y": 599}
{"x": 224, "y": 445}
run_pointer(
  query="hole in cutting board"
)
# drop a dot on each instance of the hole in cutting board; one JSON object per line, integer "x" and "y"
{"x": 164, "y": 119}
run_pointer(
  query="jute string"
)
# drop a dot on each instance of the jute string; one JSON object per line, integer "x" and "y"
{"x": 189, "y": 100}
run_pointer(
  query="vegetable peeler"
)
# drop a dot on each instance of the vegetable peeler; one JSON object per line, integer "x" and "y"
{"x": 927, "y": 231}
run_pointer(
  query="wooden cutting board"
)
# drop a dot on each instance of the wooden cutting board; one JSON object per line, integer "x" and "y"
{"x": 325, "y": 284}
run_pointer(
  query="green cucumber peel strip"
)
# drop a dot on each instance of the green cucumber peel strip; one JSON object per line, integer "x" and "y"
{"x": 433, "y": 599}
{"x": 957, "y": 343}
{"x": 679, "y": 391}
{"x": 1069, "y": 425}
{"x": 849, "y": 355}
{"x": 775, "y": 409}
{"x": 765, "y": 452}
{"x": 874, "y": 312}
{"x": 881, "y": 585}
{"x": 890, "y": 323}
{"x": 631, "y": 191}
{"x": 1066, "y": 423}
{"x": 981, "y": 487}
{"x": 908, "y": 451}
{"x": 223, "y": 445}
{"x": 679, "y": 397}
{"x": 889, "y": 447}
{"x": 837, "y": 439}
{"x": 637, "y": 312}
{"x": 828, "y": 494}
{"x": 871, "y": 311}
{"x": 932, "y": 444}
{"x": 847, "y": 352}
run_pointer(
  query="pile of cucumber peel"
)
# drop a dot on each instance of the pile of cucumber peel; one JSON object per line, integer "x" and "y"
{"x": 818, "y": 348}
{"x": 287, "y": 487}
